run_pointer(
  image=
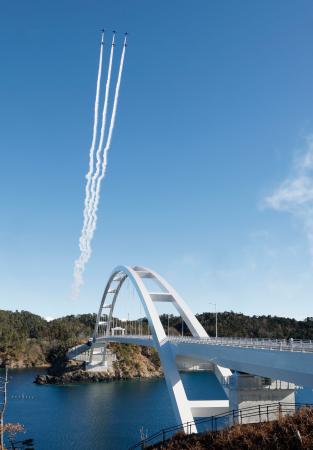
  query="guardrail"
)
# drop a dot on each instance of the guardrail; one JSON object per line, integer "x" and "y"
{"x": 290, "y": 345}
{"x": 258, "y": 413}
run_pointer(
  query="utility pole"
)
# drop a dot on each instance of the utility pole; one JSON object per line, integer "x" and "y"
{"x": 214, "y": 304}
{"x": 3, "y": 404}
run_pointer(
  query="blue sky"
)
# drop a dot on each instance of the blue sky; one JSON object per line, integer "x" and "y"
{"x": 214, "y": 123}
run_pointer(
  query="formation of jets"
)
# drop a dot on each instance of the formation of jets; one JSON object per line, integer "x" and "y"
{"x": 115, "y": 32}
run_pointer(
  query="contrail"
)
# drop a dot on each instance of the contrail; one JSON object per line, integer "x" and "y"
{"x": 93, "y": 220}
{"x": 91, "y": 205}
{"x": 82, "y": 241}
{"x": 98, "y": 153}
{"x": 93, "y": 143}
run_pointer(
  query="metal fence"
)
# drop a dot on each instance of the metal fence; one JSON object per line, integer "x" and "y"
{"x": 255, "y": 414}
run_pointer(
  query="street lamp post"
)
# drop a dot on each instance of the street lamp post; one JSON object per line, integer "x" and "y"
{"x": 214, "y": 304}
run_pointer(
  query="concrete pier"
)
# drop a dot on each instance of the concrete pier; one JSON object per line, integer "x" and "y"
{"x": 247, "y": 390}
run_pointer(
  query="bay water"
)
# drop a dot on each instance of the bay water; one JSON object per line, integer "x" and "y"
{"x": 100, "y": 416}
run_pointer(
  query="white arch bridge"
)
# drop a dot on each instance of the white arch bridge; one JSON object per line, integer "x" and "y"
{"x": 290, "y": 361}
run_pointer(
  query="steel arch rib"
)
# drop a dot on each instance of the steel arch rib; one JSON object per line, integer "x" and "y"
{"x": 194, "y": 325}
{"x": 174, "y": 383}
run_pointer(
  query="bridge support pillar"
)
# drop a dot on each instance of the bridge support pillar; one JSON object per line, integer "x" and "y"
{"x": 102, "y": 360}
{"x": 247, "y": 390}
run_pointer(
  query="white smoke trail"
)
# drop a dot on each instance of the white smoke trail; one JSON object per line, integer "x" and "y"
{"x": 82, "y": 240}
{"x": 93, "y": 143}
{"x": 98, "y": 154}
{"x": 93, "y": 220}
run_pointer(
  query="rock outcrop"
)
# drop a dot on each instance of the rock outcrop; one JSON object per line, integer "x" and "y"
{"x": 76, "y": 376}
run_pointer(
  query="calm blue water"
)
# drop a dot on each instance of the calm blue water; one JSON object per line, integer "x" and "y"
{"x": 106, "y": 416}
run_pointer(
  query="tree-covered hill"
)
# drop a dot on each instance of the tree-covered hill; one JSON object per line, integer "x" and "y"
{"x": 239, "y": 325}
{"x": 28, "y": 340}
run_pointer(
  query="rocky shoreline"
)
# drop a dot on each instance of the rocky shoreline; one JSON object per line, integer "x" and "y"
{"x": 84, "y": 376}
{"x": 78, "y": 376}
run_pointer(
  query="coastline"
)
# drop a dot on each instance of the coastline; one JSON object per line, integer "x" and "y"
{"x": 83, "y": 376}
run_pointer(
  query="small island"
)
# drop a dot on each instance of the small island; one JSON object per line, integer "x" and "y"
{"x": 131, "y": 362}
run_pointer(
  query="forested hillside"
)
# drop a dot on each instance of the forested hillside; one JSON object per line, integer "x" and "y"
{"x": 240, "y": 325}
{"x": 29, "y": 340}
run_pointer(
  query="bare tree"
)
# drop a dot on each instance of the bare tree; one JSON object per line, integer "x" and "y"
{"x": 3, "y": 404}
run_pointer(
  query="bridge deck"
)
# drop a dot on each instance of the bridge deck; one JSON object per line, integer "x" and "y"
{"x": 277, "y": 359}
{"x": 296, "y": 345}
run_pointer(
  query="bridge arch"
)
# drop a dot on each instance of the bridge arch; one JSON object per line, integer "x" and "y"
{"x": 166, "y": 294}
{"x": 136, "y": 275}
{"x": 182, "y": 407}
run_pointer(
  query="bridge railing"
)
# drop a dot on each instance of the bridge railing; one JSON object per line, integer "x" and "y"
{"x": 290, "y": 345}
{"x": 293, "y": 345}
{"x": 252, "y": 414}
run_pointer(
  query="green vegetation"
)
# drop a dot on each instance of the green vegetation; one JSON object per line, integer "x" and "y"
{"x": 28, "y": 340}
{"x": 239, "y": 325}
